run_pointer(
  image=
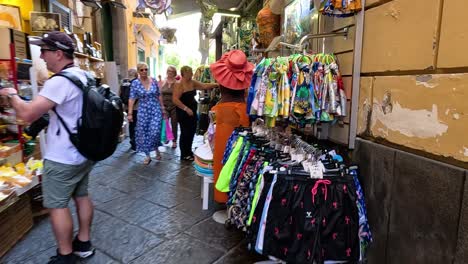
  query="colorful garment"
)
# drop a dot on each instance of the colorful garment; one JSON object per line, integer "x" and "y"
{"x": 365, "y": 235}
{"x": 229, "y": 115}
{"x": 148, "y": 127}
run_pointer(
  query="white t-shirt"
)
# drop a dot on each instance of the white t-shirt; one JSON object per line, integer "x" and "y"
{"x": 69, "y": 100}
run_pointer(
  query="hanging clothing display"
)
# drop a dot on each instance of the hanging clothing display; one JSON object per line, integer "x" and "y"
{"x": 340, "y": 8}
{"x": 302, "y": 88}
{"x": 298, "y": 203}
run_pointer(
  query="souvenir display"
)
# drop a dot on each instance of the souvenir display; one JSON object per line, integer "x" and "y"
{"x": 340, "y": 8}
{"x": 302, "y": 88}
{"x": 297, "y": 202}
{"x": 268, "y": 26}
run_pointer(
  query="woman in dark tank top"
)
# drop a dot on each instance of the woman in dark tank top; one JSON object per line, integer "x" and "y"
{"x": 184, "y": 99}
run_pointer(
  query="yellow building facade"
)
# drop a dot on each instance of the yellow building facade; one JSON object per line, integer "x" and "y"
{"x": 142, "y": 36}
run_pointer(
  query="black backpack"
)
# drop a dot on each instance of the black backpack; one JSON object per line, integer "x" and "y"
{"x": 101, "y": 120}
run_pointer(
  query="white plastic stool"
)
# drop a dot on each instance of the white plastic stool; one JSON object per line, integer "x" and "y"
{"x": 205, "y": 190}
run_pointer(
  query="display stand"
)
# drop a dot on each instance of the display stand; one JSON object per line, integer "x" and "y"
{"x": 13, "y": 77}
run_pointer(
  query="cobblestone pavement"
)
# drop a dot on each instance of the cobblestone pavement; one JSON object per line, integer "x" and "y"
{"x": 144, "y": 214}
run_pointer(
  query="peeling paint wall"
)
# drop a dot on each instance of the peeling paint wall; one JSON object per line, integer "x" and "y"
{"x": 426, "y": 111}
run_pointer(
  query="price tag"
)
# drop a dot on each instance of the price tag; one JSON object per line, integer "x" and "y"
{"x": 306, "y": 165}
{"x": 316, "y": 171}
{"x": 300, "y": 157}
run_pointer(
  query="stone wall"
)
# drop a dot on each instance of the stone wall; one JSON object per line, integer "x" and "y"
{"x": 417, "y": 207}
{"x": 414, "y": 76}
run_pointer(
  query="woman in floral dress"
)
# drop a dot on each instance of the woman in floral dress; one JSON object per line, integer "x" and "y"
{"x": 150, "y": 109}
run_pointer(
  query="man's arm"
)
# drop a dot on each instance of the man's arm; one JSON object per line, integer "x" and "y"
{"x": 28, "y": 111}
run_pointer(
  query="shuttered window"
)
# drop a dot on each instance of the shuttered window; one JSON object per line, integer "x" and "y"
{"x": 65, "y": 14}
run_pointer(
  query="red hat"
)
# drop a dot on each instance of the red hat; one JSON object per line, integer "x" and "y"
{"x": 233, "y": 71}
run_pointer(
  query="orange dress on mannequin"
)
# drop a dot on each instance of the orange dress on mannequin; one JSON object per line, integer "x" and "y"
{"x": 228, "y": 116}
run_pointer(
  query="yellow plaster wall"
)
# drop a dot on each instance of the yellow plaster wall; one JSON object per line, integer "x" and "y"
{"x": 426, "y": 112}
{"x": 25, "y": 6}
{"x": 454, "y": 35}
{"x": 400, "y": 35}
{"x": 132, "y": 40}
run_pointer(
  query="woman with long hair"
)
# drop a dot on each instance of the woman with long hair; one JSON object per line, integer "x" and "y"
{"x": 150, "y": 113}
{"x": 167, "y": 89}
{"x": 184, "y": 98}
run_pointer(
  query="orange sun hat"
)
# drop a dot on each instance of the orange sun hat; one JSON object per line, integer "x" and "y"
{"x": 233, "y": 71}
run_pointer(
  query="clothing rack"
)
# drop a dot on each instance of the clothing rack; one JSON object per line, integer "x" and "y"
{"x": 298, "y": 142}
{"x": 263, "y": 183}
{"x": 300, "y": 46}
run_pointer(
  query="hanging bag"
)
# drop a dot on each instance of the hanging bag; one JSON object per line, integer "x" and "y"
{"x": 168, "y": 130}
{"x": 163, "y": 133}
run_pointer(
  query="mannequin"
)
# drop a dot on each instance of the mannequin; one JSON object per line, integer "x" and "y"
{"x": 233, "y": 72}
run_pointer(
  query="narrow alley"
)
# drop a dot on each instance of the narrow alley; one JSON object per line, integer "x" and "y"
{"x": 144, "y": 214}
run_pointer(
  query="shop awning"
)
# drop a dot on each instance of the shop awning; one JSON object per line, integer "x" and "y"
{"x": 187, "y": 7}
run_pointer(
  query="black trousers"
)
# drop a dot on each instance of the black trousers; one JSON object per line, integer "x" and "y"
{"x": 188, "y": 126}
{"x": 131, "y": 129}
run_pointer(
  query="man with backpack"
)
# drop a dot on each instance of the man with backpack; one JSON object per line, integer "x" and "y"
{"x": 125, "y": 96}
{"x": 66, "y": 169}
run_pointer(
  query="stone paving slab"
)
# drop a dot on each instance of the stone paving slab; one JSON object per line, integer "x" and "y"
{"x": 144, "y": 214}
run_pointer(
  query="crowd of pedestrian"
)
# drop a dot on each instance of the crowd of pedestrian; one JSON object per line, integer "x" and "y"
{"x": 150, "y": 101}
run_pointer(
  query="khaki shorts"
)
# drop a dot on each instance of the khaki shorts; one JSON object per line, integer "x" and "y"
{"x": 61, "y": 182}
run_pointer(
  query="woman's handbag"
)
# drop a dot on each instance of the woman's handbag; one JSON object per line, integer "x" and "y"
{"x": 163, "y": 132}
{"x": 168, "y": 129}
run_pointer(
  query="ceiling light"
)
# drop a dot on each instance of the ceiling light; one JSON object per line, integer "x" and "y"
{"x": 228, "y": 14}
{"x": 91, "y": 3}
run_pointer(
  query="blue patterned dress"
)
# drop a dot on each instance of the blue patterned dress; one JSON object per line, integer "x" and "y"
{"x": 148, "y": 126}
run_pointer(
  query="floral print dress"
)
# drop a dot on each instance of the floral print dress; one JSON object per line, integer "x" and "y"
{"x": 148, "y": 127}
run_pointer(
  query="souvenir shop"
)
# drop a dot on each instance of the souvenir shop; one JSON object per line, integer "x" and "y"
{"x": 21, "y": 143}
{"x": 295, "y": 195}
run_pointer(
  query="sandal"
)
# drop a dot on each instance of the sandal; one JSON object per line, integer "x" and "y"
{"x": 147, "y": 161}
{"x": 174, "y": 145}
{"x": 188, "y": 158}
{"x": 158, "y": 156}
